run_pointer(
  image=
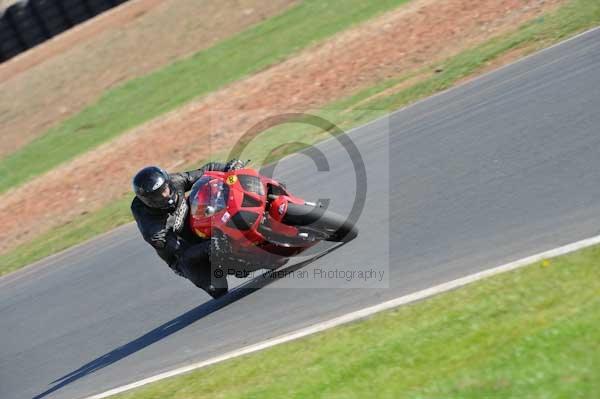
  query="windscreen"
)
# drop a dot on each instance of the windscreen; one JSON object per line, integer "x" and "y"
{"x": 208, "y": 196}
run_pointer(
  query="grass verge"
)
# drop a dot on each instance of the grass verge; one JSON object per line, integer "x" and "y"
{"x": 142, "y": 99}
{"x": 575, "y": 16}
{"x": 530, "y": 333}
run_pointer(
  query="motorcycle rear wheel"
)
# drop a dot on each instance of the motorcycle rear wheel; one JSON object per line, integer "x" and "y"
{"x": 332, "y": 226}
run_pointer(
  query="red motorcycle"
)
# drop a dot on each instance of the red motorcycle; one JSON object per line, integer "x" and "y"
{"x": 255, "y": 223}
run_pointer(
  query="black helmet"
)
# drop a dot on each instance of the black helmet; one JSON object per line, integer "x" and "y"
{"x": 150, "y": 185}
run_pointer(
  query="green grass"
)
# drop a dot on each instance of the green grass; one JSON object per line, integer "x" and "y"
{"x": 142, "y": 99}
{"x": 530, "y": 333}
{"x": 575, "y": 16}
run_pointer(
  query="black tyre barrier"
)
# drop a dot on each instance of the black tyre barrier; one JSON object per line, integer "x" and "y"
{"x": 51, "y": 16}
{"x": 75, "y": 11}
{"x": 99, "y": 6}
{"x": 28, "y": 23}
{"x": 28, "y": 26}
{"x": 10, "y": 44}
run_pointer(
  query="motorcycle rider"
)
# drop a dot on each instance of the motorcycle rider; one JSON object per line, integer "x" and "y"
{"x": 160, "y": 211}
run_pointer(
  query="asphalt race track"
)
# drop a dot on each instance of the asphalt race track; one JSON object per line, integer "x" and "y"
{"x": 497, "y": 169}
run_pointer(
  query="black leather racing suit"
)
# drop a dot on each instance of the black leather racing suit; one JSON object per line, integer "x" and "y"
{"x": 168, "y": 232}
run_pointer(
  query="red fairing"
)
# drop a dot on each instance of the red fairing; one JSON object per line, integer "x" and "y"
{"x": 278, "y": 208}
{"x": 237, "y": 204}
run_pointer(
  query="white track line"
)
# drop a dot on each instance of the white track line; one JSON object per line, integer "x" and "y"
{"x": 360, "y": 314}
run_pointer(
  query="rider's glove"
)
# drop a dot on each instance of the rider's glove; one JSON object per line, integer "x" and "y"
{"x": 171, "y": 219}
{"x": 234, "y": 164}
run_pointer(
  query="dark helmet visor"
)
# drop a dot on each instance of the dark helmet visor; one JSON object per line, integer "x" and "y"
{"x": 163, "y": 197}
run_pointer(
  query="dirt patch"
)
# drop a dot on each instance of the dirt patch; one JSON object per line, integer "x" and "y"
{"x": 405, "y": 84}
{"x": 56, "y": 80}
{"x": 392, "y": 45}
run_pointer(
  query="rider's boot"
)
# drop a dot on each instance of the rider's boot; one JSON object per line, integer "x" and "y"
{"x": 215, "y": 292}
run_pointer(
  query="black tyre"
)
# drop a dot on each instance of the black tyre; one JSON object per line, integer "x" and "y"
{"x": 50, "y": 15}
{"x": 10, "y": 44}
{"x": 75, "y": 11}
{"x": 26, "y": 24}
{"x": 99, "y": 6}
{"x": 330, "y": 225}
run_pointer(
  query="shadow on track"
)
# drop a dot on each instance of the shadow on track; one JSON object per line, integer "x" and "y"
{"x": 180, "y": 322}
